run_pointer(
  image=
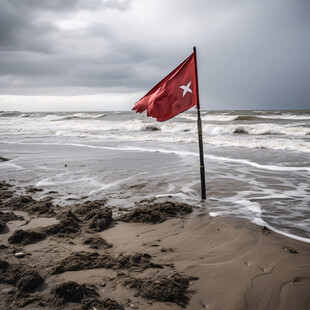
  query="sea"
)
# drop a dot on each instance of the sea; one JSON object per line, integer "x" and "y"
{"x": 257, "y": 162}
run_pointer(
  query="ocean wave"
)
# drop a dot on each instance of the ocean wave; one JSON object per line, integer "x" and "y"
{"x": 295, "y": 145}
{"x": 256, "y": 129}
{"x": 85, "y": 116}
{"x": 9, "y": 113}
{"x": 210, "y": 117}
{"x": 225, "y": 117}
{"x": 97, "y": 126}
{"x": 305, "y": 116}
{"x": 248, "y": 118}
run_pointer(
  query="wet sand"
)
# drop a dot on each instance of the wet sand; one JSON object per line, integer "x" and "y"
{"x": 164, "y": 255}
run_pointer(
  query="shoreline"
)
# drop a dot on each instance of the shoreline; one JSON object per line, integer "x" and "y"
{"x": 182, "y": 257}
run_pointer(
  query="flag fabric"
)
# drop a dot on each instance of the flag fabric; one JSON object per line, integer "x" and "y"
{"x": 174, "y": 94}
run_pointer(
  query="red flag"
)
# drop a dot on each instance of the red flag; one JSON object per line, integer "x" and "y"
{"x": 174, "y": 94}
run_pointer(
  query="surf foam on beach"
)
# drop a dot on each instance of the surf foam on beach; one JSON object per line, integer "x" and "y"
{"x": 261, "y": 157}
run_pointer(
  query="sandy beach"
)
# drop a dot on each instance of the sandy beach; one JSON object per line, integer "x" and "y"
{"x": 159, "y": 254}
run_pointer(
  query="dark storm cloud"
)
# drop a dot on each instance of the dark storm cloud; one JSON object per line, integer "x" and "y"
{"x": 38, "y": 54}
{"x": 20, "y": 32}
{"x": 263, "y": 62}
{"x": 252, "y": 54}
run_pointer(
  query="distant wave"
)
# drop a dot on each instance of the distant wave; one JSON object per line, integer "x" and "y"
{"x": 236, "y": 118}
{"x": 9, "y": 114}
{"x": 295, "y": 145}
{"x": 210, "y": 117}
{"x": 80, "y": 116}
{"x": 257, "y": 129}
{"x": 248, "y": 118}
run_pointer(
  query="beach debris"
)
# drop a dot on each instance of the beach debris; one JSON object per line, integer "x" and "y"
{"x": 68, "y": 225}
{"x": 7, "y": 290}
{"x": 85, "y": 208}
{"x": 133, "y": 306}
{"x": 29, "y": 282}
{"x": 265, "y": 230}
{"x": 7, "y": 217}
{"x": 99, "y": 219}
{"x": 152, "y": 127}
{"x": 93, "y": 260}
{"x": 19, "y": 202}
{"x": 167, "y": 250}
{"x": 85, "y": 294}
{"x": 96, "y": 242}
{"x": 155, "y": 212}
{"x": 26, "y": 236}
{"x": 5, "y": 185}
{"x": 5, "y": 193}
{"x": 290, "y": 250}
{"x": 23, "y": 276}
{"x": 19, "y": 254}
{"x": 10, "y": 216}
{"x": 161, "y": 288}
{"x": 33, "y": 189}
{"x": 28, "y": 204}
{"x": 73, "y": 292}
{"x": 96, "y": 214}
{"x": 2, "y": 226}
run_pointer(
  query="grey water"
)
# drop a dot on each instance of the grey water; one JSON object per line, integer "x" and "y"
{"x": 257, "y": 162}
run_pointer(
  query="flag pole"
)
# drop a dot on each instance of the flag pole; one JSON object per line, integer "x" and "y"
{"x": 202, "y": 165}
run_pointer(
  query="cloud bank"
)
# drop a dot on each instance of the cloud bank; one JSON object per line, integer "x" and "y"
{"x": 251, "y": 54}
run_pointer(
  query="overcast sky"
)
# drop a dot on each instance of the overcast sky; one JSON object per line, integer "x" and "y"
{"x": 79, "y": 55}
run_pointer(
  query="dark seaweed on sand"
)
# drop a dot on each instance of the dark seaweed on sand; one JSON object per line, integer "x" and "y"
{"x": 161, "y": 288}
{"x": 7, "y": 217}
{"x": 24, "y": 277}
{"x": 85, "y": 294}
{"x": 26, "y": 236}
{"x": 97, "y": 242}
{"x": 28, "y": 204}
{"x": 95, "y": 214}
{"x": 93, "y": 260}
{"x": 73, "y": 292}
{"x": 5, "y": 193}
{"x": 67, "y": 226}
{"x": 155, "y": 212}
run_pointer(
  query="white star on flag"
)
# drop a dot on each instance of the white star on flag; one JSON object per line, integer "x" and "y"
{"x": 186, "y": 88}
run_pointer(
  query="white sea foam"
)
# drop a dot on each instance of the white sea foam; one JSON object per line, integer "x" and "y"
{"x": 286, "y": 116}
{"x": 256, "y": 129}
{"x": 253, "y": 207}
{"x": 115, "y": 183}
{"x": 256, "y": 165}
{"x": 261, "y": 222}
{"x": 263, "y": 143}
{"x": 5, "y": 165}
{"x": 177, "y": 152}
{"x": 98, "y": 123}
